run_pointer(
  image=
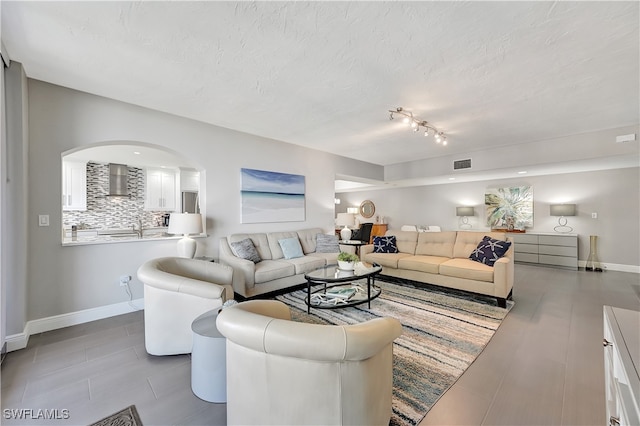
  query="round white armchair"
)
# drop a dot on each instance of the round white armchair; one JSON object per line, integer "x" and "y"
{"x": 176, "y": 291}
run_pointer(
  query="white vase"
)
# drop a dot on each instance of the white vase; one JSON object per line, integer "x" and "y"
{"x": 346, "y": 266}
{"x": 345, "y": 234}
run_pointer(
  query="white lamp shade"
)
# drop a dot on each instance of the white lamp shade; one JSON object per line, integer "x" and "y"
{"x": 346, "y": 219}
{"x": 562, "y": 209}
{"x": 185, "y": 223}
{"x": 464, "y": 211}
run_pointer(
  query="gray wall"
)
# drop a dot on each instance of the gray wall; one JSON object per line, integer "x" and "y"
{"x": 613, "y": 194}
{"x": 68, "y": 279}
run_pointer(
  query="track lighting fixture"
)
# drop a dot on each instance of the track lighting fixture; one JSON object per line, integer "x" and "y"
{"x": 417, "y": 125}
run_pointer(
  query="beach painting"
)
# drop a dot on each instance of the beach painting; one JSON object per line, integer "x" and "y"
{"x": 272, "y": 197}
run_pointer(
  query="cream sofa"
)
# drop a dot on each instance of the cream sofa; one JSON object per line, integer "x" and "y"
{"x": 273, "y": 272}
{"x": 176, "y": 291}
{"x": 442, "y": 258}
{"x": 281, "y": 372}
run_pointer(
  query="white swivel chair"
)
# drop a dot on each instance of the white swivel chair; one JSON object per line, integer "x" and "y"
{"x": 281, "y": 372}
{"x": 176, "y": 291}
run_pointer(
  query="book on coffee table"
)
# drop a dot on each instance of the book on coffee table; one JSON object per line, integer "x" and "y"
{"x": 341, "y": 292}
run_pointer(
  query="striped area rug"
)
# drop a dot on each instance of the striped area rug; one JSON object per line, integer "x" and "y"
{"x": 443, "y": 333}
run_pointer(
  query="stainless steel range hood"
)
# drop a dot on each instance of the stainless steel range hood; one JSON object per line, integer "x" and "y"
{"x": 118, "y": 174}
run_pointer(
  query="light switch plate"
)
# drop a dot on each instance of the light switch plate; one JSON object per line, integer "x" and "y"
{"x": 43, "y": 220}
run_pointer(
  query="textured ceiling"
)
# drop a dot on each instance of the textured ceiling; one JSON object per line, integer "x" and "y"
{"x": 324, "y": 74}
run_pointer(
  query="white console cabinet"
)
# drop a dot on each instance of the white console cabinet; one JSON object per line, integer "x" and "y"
{"x": 559, "y": 250}
{"x": 622, "y": 366}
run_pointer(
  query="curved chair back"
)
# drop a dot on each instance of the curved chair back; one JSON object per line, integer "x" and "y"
{"x": 364, "y": 232}
{"x": 176, "y": 291}
{"x": 286, "y": 372}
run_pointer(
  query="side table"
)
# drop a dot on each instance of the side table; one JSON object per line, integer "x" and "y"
{"x": 208, "y": 359}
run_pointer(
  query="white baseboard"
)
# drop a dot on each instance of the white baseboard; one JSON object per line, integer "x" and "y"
{"x": 20, "y": 340}
{"x": 614, "y": 267}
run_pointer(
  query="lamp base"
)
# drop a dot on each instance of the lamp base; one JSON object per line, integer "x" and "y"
{"x": 345, "y": 234}
{"x": 187, "y": 247}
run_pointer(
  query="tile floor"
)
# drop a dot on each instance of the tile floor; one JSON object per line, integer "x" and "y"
{"x": 543, "y": 367}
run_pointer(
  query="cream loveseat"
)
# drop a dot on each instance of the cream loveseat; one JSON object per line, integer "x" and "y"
{"x": 281, "y": 372}
{"x": 442, "y": 258}
{"x": 176, "y": 291}
{"x": 273, "y": 271}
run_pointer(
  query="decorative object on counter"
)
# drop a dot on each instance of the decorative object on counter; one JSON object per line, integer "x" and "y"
{"x": 346, "y": 220}
{"x": 367, "y": 209}
{"x": 347, "y": 261}
{"x": 418, "y": 125}
{"x": 509, "y": 204}
{"x": 185, "y": 224}
{"x": 562, "y": 210}
{"x": 464, "y": 213}
{"x": 593, "y": 264}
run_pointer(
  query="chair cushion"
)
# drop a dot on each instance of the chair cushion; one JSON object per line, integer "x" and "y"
{"x": 246, "y": 250}
{"x": 385, "y": 244}
{"x": 327, "y": 243}
{"x": 291, "y": 248}
{"x": 489, "y": 250}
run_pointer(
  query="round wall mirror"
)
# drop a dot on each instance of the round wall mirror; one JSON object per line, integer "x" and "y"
{"x": 367, "y": 209}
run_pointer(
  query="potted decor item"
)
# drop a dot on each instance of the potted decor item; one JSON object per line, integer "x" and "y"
{"x": 347, "y": 261}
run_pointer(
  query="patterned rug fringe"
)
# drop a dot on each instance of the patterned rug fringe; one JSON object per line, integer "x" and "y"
{"x": 127, "y": 417}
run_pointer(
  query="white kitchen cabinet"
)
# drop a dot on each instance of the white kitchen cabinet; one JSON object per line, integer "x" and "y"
{"x": 161, "y": 190}
{"x": 622, "y": 366}
{"x": 189, "y": 180}
{"x": 74, "y": 185}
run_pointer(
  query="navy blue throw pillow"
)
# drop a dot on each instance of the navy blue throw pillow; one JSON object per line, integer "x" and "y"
{"x": 385, "y": 244}
{"x": 489, "y": 250}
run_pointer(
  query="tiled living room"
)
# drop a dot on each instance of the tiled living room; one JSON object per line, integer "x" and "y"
{"x": 202, "y": 100}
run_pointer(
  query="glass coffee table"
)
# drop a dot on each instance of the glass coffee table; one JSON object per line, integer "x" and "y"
{"x": 338, "y": 289}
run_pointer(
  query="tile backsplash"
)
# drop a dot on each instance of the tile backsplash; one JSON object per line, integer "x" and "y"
{"x": 104, "y": 212}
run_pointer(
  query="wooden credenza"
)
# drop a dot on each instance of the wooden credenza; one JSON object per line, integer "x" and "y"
{"x": 559, "y": 250}
{"x": 378, "y": 230}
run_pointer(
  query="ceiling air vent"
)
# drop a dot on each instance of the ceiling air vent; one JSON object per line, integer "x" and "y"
{"x": 462, "y": 164}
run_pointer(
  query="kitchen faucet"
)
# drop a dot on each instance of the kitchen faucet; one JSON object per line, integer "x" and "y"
{"x": 139, "y": 230}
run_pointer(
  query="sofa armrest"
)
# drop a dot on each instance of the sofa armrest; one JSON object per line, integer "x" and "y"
{"x": 366, "y": 250}
{"x": 243, "y": 270}
{"x": 503, "y": 273}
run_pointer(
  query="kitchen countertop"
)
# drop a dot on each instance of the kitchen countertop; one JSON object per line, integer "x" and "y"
{"x": 108, "y": 236}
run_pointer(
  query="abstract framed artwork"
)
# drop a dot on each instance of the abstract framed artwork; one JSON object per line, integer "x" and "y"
{"x": 272, "y": 197}
{"x": 509, "y": 208}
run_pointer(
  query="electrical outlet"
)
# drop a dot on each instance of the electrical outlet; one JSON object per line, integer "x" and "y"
{"x": 124, "y": 280}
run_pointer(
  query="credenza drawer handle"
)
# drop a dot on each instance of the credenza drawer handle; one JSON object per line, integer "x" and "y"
{"x": 614, "y": 421}
{"x": 606, "y": 343}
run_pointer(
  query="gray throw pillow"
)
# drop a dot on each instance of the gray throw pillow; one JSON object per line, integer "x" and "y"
{"x": 246, "y": 250}
{"x": 327, "y": 244}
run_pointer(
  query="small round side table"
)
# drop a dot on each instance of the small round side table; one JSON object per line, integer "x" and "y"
{"x": 208, "y": 359}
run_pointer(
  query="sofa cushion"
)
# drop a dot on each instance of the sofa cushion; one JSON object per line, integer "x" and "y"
{"x": 489, "y": 250}
{"x": 436, "y": 243}
{"x": 259, "y": 241}
{"x": 291, "y": 248}
{"x": 389, "y": 260}
{"x": 466, "y": 268}
{"x": 307, "y": 239}
{"x": 306, "y": 264}
{"x": 269, "y": 270}
{"x": 430, "y": 264}
{"x": 245, "y": 249}
{"x": 467, "y": 241}
{"x": 274, "y": 245}
{"x": 405, "y": 240}
{"x": 327, "y": 244}
{"x": 385, "y": 244}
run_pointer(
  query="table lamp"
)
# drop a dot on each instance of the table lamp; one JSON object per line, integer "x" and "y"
{"x": 346, "y": 220}
{"x": 562, "y": 210}
{"x": 465, "y": 212}
{"x": 185, "y": 224}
